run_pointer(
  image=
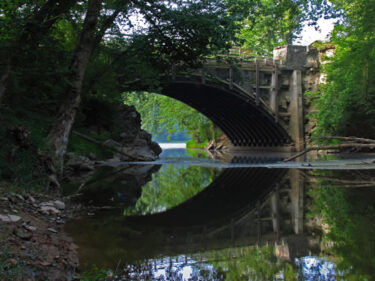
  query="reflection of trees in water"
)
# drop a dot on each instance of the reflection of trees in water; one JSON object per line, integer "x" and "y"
{"x": 349, "y": 216}
{"x": 163, "y": 270}
{"x": 237, "y": 264}
{"x": 171, "y": 186}
{"x": 249, "y": 263}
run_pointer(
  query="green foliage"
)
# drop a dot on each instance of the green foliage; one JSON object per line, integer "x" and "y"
{"x": 274, "y": 23}
{"x": 96, "y": 274}
{"x": 255, "y": 263}
{"x": 160, "y": 113}
{"x": 345, "y": 105}
{"x": 83, "y": 147}
{"x": 171, "y": 186}
{"x": 350, "y": 216}
{"x": 20, "y": 165}
{"x": 266, "y": 24}
{"x": 289, "y": 273}
{"x": 193, "y": 144}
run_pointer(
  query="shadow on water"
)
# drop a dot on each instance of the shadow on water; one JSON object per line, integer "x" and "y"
{"x": 201, "y": 223}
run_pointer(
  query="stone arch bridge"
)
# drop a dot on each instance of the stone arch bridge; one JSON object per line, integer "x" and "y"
{"x": 257, "y": 102}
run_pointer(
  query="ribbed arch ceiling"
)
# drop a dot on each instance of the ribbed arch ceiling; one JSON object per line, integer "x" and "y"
{"x": 233, "y": 111}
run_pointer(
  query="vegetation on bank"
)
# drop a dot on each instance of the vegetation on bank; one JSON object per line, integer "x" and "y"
{"x": 345, "y": 104}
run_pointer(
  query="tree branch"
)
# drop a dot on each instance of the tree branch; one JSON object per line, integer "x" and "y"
{"x": 329, "y": 147}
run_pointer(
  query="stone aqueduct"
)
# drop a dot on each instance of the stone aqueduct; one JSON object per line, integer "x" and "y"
{"x": 258, "y": 103}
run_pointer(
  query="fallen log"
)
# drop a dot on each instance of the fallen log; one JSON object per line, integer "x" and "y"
{"x": 329, "y": 147}
{"x": 104, "y": 145}
{"x": 355, "y": 139}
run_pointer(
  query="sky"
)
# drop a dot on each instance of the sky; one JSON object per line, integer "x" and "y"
{"x": 309, "y": 34}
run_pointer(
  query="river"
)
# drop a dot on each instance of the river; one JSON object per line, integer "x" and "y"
{"x": 196, "y": 216}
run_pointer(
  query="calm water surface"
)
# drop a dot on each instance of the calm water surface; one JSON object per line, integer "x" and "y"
{"x": 192, "y": 218}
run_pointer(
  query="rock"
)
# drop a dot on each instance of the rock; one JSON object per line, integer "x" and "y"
{"x": 50, "y": 204}
{"x": 4, "y": 199}
{"x": 25, "y": 235}
{"x": 140, "y": 143}
{"x": 30, "y": 228}
{"x": 59, "y": 205}
{"x": 155, "y": 147}
{"x": 20, "y": 197}
{"x": 92, "y": 156}
{"x": 144, "y": 135}
{"x": 10, "y": 218}
{"x": 53, "y": 182}
{"x": 12, "y": 261}
{"x": 31, "y": 199}
{"x": 44, "y": 263}
{"x": 52, "y": 230}
{"x": 79, "y": 163}
{"x": 48, "y": 210}
{"x": 112, "y": 143}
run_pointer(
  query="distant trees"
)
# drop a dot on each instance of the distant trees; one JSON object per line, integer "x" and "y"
{"x": 161, "y": 113}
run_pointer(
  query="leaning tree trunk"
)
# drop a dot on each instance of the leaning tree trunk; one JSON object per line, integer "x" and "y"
{"x": 34, "y": 30}
{"x": 58, "y": 136}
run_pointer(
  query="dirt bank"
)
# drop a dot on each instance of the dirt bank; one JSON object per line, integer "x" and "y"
{"x": 34, "y": 245}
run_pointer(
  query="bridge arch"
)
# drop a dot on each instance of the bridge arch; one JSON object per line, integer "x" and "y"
{"x": 234, "y": 111}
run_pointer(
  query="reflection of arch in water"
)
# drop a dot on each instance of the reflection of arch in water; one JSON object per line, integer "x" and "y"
{"x": 235, "y": 190}
{"x": 259, "y": 212}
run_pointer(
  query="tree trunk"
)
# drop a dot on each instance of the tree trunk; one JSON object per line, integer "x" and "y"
{"x": 32, "y": 33}
{"x": 58, "y": 136}
{"x": 3, "y": 81}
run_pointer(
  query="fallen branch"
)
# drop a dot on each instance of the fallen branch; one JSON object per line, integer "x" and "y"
{"x": 355, "y": 139}
{"x": 104, "y": 145}
{"x": 329, "y": 147}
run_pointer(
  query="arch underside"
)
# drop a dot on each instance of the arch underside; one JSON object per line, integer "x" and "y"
{"x": 233, "y": 111}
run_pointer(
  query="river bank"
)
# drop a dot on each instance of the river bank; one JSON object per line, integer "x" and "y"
{"x": 35, "y": 247}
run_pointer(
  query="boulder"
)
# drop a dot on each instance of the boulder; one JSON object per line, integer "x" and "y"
{"x": 59, "y": 204}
